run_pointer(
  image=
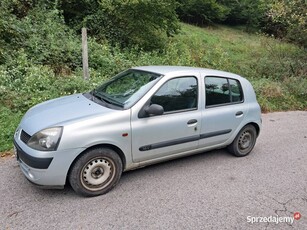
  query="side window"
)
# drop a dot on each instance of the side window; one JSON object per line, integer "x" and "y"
{"x": 177, "y": 94}
{"x": 221, "y": 91}
{"x": 236, "y": 92}
{"x": 217, "y": 91}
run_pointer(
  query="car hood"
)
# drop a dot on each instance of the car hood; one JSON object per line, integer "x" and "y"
{"x": 60, "y": 111}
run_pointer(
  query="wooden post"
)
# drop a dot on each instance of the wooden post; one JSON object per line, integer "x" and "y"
{"x": 85, "y": 55}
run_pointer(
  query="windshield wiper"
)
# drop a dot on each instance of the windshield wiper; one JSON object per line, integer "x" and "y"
{"x": 94, "y": 95}
{"x": 106, "y": 99}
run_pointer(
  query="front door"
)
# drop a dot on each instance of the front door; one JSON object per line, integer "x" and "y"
{"x": 177, "y": 129}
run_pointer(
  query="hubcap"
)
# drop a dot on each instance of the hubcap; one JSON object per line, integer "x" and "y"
{"x": 97, "y": 173}
{"x": 245, "y": 140}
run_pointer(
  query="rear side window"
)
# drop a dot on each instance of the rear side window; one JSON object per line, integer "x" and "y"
{"x": 235, "y": 90}
{"x": 221, "y": 91}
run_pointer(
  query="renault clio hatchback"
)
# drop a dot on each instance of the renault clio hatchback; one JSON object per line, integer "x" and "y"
{"x": 141, "y": 116}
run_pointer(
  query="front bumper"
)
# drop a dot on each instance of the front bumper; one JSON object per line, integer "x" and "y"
{"x": 45, "y": 169}
{"x": 34, "y": 162}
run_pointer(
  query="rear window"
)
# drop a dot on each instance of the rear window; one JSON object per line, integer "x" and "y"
{"x": 221, "y": 91}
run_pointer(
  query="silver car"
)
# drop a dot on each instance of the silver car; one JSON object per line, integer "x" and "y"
{"x": 142, "y": 116}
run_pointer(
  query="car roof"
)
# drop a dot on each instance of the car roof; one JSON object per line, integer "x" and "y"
{"x": 163, "y": 70}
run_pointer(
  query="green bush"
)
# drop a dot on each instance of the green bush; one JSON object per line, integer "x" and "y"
{"x": 287, "y": 19}
{"x": 49, "y": 41}
{"x": 42, "y": 35}
{"x": 142, "y": 23}
{"x": 274, "y": 95}
{"x": 24, "y": 84}
{"x": 250, "y": 13}
{"x": 8, "y": 123}
{"x": 202, "y": 12}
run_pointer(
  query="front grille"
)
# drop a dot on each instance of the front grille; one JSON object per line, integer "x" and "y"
{"x": 24, "y": 137}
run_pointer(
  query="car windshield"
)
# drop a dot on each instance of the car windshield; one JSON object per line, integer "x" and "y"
{"x": 125, "y": 89}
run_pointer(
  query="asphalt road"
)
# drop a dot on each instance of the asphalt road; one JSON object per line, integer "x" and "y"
{"x": 213, "y": 190}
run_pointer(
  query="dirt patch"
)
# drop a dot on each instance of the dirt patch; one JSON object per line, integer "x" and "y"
{"x": 6, "y": 154}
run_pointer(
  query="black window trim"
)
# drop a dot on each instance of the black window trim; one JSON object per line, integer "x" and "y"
{"x": 230, "y": 93}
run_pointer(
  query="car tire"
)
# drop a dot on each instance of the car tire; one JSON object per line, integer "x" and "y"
{"x": 96, "y": 172}
{"x": 244, "y": 142}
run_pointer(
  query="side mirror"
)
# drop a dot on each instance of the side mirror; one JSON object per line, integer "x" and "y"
{"x": 154, "y": 110}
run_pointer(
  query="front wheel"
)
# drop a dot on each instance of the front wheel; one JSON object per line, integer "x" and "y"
{"x": 96, "y": 172}
{"x": 244, "y": 142}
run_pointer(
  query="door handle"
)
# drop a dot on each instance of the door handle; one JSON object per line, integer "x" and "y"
{"x": 239, "y": 113}
{"x": 192, "y": 121}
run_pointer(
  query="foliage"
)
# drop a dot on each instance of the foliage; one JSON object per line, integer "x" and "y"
{"x": 142, "y": 23}
{"x": 24, "y": 85}
{"x": 246, "y": 12}
{"x": 149, "y": 24}
{"x": 288, "y": 19}
{"x": 8, "y": 122}
{"x": 201, "y": 12}
{"x": 42, "y": 35}
{"x": 50, "y": 42}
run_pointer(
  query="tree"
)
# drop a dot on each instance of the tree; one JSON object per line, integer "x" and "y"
{"x": 246, "y": 12}
{"x": 287, "y": 19}
{"x": 142, "y": 23}
{"x": 202, "y": 12}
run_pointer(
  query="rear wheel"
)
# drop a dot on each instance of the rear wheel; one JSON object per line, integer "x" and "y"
{"x": 96, "y": 172}
{"x": 244, "y": 142}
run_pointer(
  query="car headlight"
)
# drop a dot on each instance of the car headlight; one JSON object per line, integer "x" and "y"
{"x": 46, "y": 140}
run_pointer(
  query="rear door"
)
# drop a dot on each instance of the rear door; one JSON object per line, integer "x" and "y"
{"x": 177, "y": 130}
{"x": 224, "y": 110}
